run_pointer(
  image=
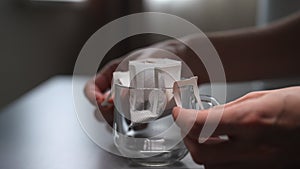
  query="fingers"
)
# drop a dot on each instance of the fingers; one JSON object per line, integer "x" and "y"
{"x": 207, "y": 154}
{"x": 107, "y": 113}
{"x": 186, "y": 118}
{"x": 107, "y": 110}
{"x": 93, "y": 93}
{"x": 102, "y": 82}
{"x": 192, "y": 121}
{"x": 95, "y": 87}
{"x": 231, "y": 119}
{"x": 232, "y": 154}
{"x": 96, "y": 98}
{"x": 104, "y": 77}
{"x": 243, "y": 121}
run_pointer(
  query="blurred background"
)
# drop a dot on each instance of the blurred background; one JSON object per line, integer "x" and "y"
{"x": 42, "y": 38}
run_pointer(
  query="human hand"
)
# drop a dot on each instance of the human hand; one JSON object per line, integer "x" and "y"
{"x": 263, "y": 130}
{"x": 97, "y": 88}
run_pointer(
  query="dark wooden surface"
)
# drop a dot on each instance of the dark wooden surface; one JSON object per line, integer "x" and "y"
{"x": 40, "y": 130}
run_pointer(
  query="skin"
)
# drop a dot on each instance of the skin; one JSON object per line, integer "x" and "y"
{"x": 263, "y": 129}
{"x": 95, "y": 90}
{"x": 262, "y": 126}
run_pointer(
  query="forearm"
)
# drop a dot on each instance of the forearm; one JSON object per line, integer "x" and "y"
{"x": 256, "y": 53}
{"x": 247, "y": 54}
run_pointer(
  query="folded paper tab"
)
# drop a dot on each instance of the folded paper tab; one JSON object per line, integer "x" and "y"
{"x": 147, "y": 91}
{"x": 187, "y": 82}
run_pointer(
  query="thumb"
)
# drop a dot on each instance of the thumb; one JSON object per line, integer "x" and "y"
{"x": 185, "y": 118}
{"x": 190, "y": 121}
{"x": 175, "y": 112}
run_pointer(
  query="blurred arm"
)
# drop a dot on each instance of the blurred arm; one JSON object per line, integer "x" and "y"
{"x": 256, "y": 53}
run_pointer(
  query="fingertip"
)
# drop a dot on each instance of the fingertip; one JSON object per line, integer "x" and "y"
{"x": 101, "y": 82}
{"x": 99, "y": 98}
{"x": 175, "y": 112}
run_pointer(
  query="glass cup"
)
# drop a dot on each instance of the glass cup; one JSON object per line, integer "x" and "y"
{"x": 144, "y": 129}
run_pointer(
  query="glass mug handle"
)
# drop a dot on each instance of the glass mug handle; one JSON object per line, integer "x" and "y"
{"x": 192, "y": 82}
{"x": 211, "y": 101}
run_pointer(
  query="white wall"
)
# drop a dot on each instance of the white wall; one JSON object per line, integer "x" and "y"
{"x": 271, "y": 10}
{"x": 209, "y": 15}
{"x": 215, "y": 15}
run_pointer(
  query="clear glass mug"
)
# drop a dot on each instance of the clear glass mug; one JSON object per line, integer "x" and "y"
{"x": 144, "y": 129}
